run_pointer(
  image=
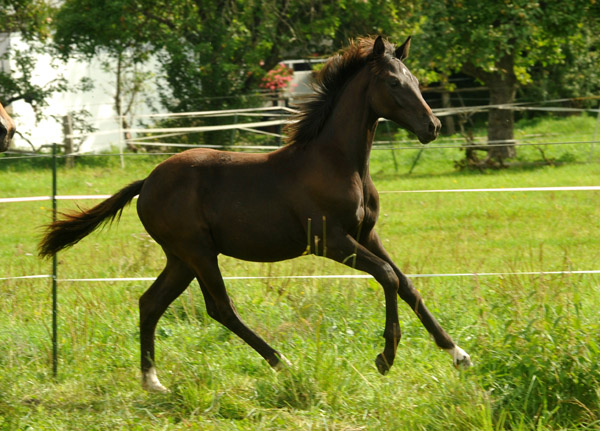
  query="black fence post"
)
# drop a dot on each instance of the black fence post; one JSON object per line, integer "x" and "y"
{"x": 54, "y": 274}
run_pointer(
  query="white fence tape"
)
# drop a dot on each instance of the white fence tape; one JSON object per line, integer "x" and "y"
{"x": 25, "y": 277}
{"x": 48, "y": 198}
{"x": 349, "y": 276}
{"x": 224, "y": 112}
{"x": 321, "y": 277}
{"x": 507, "y": 189}
{"x": 272, "y": 110}
{"x": 197, "y": 129}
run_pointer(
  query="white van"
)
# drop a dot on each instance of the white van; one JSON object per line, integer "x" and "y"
{"x": 301, "y": 84}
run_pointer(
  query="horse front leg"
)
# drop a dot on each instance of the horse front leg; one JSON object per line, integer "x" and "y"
{"x": 348, "y": 251}
{"x": 412, "y": 297}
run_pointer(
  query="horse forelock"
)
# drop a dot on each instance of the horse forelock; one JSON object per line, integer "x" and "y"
{"x": 328, "y": 84}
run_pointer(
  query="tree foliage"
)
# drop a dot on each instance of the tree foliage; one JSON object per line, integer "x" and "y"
{"x": 577, "y": 75}
{"x": 212, "y": 52}
{"x": 31, "y": 19}
{"x": 500, "y": 43}
{"x": 90, "y": 27}
{"x": 470, "y": 34}
{"x": 215, "y": 54}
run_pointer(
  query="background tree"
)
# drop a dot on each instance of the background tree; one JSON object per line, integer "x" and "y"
{"x": 30, "y": 19}
{"x": 105, "y": 29}
{"x": 214, "y": 52}
{"x": 577, "y": 76}
{"x": 499, "y": 43}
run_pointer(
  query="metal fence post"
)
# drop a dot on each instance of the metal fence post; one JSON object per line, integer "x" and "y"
{"x": 595, "y": 137}
{"x": 54, "y": 274}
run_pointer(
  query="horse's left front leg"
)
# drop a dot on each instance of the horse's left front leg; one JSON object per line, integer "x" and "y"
{"x": 348, "y": 251}
{"x": 411, "y": 296}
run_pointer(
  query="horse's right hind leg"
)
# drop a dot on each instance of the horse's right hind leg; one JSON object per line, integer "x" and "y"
{"x": 220, "y": 307}
{"x": 174, "y": 279}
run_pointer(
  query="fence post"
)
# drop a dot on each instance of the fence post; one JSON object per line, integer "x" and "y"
{"x": 54, "y": 274}
{"x": 448, "y": 119}
{"x": 68, "y": 140}
{"x": 233, "y": 132}
{"x": 595, "y": 138}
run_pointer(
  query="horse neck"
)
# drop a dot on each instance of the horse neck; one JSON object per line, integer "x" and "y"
{"x": 350, "y": 129}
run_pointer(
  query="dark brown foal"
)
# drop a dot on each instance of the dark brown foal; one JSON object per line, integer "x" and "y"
{"x": 314, "y": 194}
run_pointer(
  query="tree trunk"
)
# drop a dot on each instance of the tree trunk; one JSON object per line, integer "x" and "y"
{"x": 501, "y": 120}
{"x": 119, "y": 104}
{"x": 502, "y": 84}
{"x": 68, "y": 140}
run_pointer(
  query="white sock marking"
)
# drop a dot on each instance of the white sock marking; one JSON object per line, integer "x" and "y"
{"x": 460, "y": 358}
{"x": 282, "y": 364}
{"x": 151, "y": 383}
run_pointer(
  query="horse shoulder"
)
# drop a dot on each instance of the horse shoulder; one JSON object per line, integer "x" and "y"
{"x": 371, "y": 203}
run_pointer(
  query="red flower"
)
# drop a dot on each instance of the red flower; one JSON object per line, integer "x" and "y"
{"x": 277, "y": 78}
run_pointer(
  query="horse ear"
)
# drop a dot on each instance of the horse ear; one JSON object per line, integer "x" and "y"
{"x": 378, "y": 47}
{"x": 402, "y": 51}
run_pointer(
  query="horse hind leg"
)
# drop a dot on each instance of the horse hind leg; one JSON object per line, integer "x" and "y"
{"x": 174, "y": 279}
{"x": 220, "y": 307}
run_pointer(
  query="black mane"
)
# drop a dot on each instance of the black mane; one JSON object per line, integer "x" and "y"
{"x": 328, "y": 84}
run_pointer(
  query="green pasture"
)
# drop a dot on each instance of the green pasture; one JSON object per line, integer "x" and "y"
{"x": 534, "y": 339}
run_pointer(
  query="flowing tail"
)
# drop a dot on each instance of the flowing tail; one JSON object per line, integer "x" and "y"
{"x": 75, "y": 226}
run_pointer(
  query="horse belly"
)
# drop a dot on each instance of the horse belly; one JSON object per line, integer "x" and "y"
{"x": 255, "y": 231}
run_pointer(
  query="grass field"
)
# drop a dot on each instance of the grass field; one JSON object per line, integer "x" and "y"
{"x": 534, "y": 339}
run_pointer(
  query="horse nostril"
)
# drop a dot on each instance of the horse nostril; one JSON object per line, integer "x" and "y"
{"x": 433, "y": 128}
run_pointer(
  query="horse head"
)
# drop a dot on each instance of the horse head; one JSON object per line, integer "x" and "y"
{"x": 395, "y": 94}
{"x": 7, "y": 129}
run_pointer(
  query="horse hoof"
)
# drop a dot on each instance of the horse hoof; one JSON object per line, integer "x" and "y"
{"x": 151, "y": 383}
{"x": 282, "y": 364}
{"x": 382, "y": 364}
{"x": 460, "y": 358}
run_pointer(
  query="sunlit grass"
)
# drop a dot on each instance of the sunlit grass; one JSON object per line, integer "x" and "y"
{"x": 534, "y": 339}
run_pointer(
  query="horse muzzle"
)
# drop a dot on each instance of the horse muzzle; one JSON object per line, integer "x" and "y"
{"x": 431, "y": 130}
{"x": 6, "y": 133}
{"x": 4, "y": 141}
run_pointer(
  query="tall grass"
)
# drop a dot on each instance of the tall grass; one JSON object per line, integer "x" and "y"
{"x": 534, "y": 338}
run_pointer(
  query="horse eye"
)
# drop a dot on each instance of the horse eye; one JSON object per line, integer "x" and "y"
{"x": 394, "y": 82}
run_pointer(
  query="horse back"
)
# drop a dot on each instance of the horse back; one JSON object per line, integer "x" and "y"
{"x": 262, "y": 207}
{"x": 238, "y": 204}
